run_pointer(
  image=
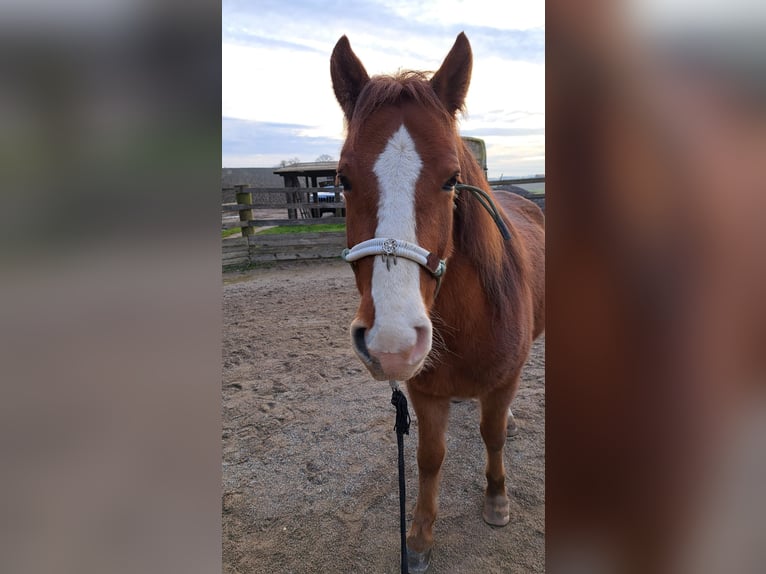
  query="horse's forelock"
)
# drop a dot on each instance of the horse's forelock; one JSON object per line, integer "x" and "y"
{"x": 407, "y": 85}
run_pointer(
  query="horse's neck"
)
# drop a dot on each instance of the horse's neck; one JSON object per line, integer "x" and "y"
{"x": 484, "y": 264}
{"x": 480, "y": 238}
{"x": 465, "y": 264}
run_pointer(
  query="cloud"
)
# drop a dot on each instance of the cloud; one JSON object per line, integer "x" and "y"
{"x": 513, "y": 45}
{"x": 503, "y": 131}
{"x": 243, "y": 139}
{"x": 252, "y": 38}
{"x": 278, "y": 101}
{"x": 262, "y": 144}
{"x": 506, "y": 29}
{"x": 316, "y": 24}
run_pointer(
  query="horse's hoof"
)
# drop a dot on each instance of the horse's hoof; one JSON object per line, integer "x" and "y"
{"x": 418, "y": 562}
{"x": 497, "y": 510}
{"x": 513, "y": 428}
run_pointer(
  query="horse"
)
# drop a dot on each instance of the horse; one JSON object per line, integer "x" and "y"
{"x": 447, "y": 304}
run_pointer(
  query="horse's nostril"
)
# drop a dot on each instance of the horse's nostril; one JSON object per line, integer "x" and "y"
{"x": 357, "y": 335}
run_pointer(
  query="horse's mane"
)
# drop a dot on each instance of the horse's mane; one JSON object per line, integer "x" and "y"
{"x": 475, "y": 235}
{"x": 395, "y": 89}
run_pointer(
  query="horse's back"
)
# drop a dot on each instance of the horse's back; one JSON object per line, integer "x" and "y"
{"x": 519, "y": 209}
{"x": 528, "y": 221}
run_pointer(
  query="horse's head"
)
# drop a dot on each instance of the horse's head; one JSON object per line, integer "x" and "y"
{"x": 398, "y": 168}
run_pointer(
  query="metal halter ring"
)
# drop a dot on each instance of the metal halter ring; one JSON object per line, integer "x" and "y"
{"x": 389, "y": 247}
{"x": 389, "y": 250}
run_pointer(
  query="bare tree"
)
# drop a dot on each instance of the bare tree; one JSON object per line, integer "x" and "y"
{"x": 286, "y": 162}
{"x": 325, "y": 157}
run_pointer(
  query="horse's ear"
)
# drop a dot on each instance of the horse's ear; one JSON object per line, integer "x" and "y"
{"x": 451, "y": 81}
{"x": 348, "y": 76}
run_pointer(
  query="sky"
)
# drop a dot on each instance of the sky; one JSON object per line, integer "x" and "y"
{"x": 277, "y": 97}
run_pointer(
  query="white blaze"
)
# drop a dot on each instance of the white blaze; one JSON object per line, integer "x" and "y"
{"x": 396, "y": 295}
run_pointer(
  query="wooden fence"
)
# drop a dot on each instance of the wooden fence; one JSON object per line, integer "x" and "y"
{"x": 249, "y": 208}
{"x": 279, "y": 206}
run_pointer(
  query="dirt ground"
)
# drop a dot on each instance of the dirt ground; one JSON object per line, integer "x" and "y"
{"x": 309, "y": 451}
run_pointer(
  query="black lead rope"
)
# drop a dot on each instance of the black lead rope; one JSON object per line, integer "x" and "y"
{"x": 402, "y": 427}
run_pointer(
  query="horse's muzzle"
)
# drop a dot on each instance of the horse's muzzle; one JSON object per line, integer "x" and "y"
{"x": 401, "y": 365}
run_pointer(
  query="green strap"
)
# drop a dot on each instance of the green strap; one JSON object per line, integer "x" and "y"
{"x": 486, "y": 202}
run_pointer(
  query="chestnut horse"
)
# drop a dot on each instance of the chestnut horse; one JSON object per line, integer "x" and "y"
{"x": 447, "y": 304}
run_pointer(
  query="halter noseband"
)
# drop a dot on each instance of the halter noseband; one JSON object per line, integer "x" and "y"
{"x": 390, "y": 249}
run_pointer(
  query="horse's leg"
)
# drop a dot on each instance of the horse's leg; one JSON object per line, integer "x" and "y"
{"x": 494, "y": 413}
{"x": 432, "y": 413}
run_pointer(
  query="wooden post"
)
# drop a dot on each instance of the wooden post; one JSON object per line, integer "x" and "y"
{"x": 338, "y": 210}
{"x": 317, "y": 211}
{"x": 245, "y": 198}
{"x": 291, "y": 181}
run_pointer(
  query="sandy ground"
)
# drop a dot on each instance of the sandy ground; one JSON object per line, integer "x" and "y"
{"x": 309, "y": 452}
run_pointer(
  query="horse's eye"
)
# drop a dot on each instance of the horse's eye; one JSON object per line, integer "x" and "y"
{"x": 344, "y": 182}
{"x": 449, "y": 184}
